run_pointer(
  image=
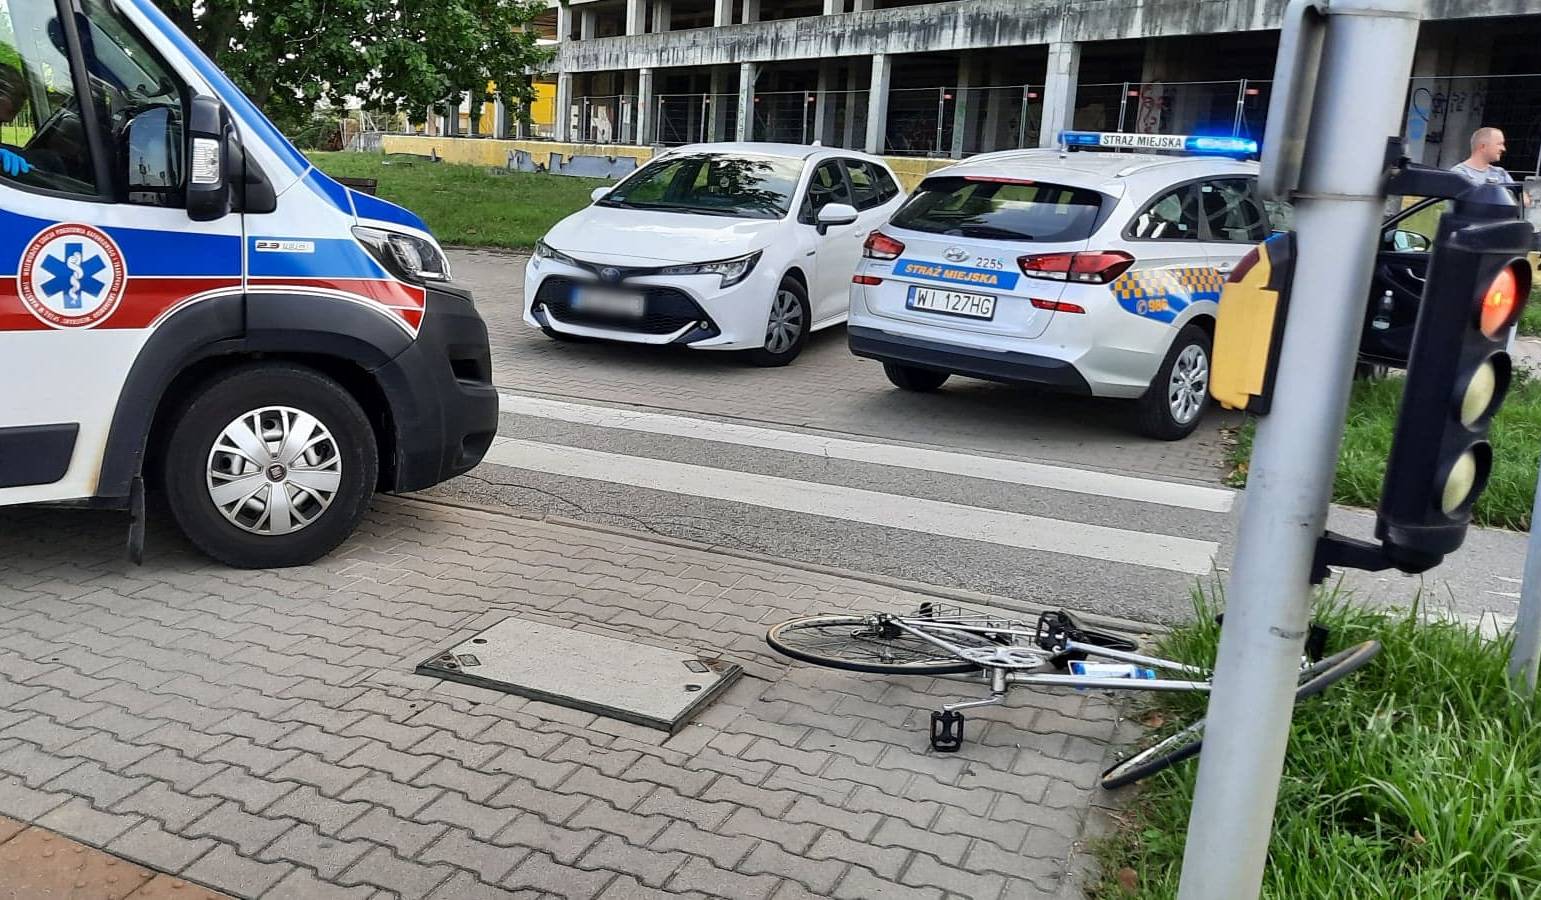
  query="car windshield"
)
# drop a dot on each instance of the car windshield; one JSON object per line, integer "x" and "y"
{"x": 981, "y": 207}
{"x": 712, "y": 184}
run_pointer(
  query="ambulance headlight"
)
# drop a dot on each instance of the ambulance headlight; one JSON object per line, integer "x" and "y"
{"x": 406, "y": 256}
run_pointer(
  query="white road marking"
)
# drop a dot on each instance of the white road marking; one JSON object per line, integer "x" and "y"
{"x": 933, "y": 517}
{"x": 1060, "y": 478}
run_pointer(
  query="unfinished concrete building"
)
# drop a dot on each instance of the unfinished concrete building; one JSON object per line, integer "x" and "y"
{"x": 944, "y": 80}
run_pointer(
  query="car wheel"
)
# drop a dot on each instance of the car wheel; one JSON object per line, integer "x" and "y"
{"x": 786, "y": 328}
{"x": 269, "y": 465}
{"x": 1175, "y": 401}
{"x": 910, "y": 378}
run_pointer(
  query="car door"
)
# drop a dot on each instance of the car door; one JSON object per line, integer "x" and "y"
{"x": 836, "y": 252}
{"x": 95, "y": 241}
{"x": 1396, "y": 287}
{"x": 1171, "y": 269}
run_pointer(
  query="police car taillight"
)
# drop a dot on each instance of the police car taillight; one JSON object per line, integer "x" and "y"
{"x": 1083, "y": 268}
{"x": 881, "y": 246}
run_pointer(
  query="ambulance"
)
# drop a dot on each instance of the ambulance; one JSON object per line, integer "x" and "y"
{"x": 189, "y": 307}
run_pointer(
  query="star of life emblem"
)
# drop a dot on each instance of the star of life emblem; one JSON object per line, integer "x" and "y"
{"x": 71, "y": 276}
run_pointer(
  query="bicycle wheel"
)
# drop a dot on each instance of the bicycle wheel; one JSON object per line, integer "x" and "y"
{"x": 868, "y": 644}
{"x": 1188, "y": 741}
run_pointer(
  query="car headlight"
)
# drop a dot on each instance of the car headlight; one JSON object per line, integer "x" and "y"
{"x": 544, "y": 250}
{"x": 407, "y": 256}
{"x": 732, "y": 270}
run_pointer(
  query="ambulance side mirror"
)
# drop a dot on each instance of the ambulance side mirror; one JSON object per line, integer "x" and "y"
{"x": 208, "y": 160}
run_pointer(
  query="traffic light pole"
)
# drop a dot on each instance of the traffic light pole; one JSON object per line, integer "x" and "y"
{"x": 1360, "y": 85}
{"x": 1525, "y": 655}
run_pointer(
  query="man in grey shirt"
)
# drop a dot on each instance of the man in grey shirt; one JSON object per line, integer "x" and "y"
{"x": 1487, "y": 148}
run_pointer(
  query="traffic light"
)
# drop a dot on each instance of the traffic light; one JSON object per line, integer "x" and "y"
{"x": 1458, "y": 373}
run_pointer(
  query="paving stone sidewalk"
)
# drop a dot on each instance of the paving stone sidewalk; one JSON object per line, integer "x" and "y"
{"x": 262, "y": 733}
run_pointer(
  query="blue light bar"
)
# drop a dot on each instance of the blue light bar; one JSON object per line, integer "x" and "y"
{"x": 1123, "y": 140}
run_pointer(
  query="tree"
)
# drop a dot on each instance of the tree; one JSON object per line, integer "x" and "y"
{"x": 392, "y": 55}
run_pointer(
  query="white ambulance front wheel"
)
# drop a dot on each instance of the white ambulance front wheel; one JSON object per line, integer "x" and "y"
{"x": 270, "y": 465}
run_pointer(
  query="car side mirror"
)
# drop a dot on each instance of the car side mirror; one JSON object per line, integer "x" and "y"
{"x": 152, "y": 155}
{"x": 1408, "y": 241}
{"x": 833, "y": 214}
{"x": 208, "y": 157}
{"x": 599, "y": 193}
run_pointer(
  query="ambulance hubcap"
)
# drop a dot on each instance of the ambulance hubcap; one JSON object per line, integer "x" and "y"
{"x": 1189, "y": 384}
{"x": 274, "y": 470}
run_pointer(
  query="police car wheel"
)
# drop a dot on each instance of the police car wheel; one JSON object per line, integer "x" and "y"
{"x": 1174, "y": 403}
{"x": 910, "y": 378}
{"x": 270, "y": 465}
{"x": 786, "y": 327}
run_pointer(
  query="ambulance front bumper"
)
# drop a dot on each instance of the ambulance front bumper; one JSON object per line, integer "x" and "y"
{"x": 439, "y": 390}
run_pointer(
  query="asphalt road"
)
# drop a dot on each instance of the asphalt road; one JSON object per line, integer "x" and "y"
{"x": 1042, "y": 499}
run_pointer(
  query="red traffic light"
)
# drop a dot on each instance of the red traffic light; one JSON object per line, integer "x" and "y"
{"x": 1503, "y": 299}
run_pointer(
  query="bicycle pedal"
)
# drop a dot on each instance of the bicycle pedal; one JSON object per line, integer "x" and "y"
{"x": 946, "y": 731}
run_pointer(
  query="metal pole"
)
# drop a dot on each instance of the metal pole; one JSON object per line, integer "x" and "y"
{"x": 1362, "y": 80}
{"x": 1241, "y": 101}
{"x": 807, "y": 99}
{"x": 1022, "y": 121}
{"x": 1123, "y": 104}
{"x": 941, "y": 112}
{"x": 1526, "y": 652}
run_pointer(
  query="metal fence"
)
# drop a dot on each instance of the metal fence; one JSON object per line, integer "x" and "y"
{"x": 1442, "y": 112}
{"x": 603, "y": 120}
{"x": 956, "y": 121}
{"x": 696, "y": 118}
{"x": 1238, "y": 108}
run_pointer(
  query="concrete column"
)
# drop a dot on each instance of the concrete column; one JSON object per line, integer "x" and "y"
{"x": 646, "y": 107}
{"x": 663, "y": 16}
{"x": 626, "y": 127}
{"x": 561, "y": 129}
{"x": 499, "y": 118}
{"x": 834, "y": 7}
{"x": 746, "y": 75}
{"x": 588, "y": 24}
{"x": 431, "y": 121}
{"x": 636, "y": 16}
{"x": 564, "y": 22}
{"x": 751, "y": 11}
{"x": 963, "y": 106}
{"x": 717, "y": 129}
{"x": 821, "y": 117}
{"x": 1420, "y": 119}
{"x": 722, "y": 12}
{"x": 862, "y": 6}
{"x": 474, "y": 109}
{"x": 877, "y": 102}
{"x": 1064, "y": 73}
{"x": 452, "y": 116}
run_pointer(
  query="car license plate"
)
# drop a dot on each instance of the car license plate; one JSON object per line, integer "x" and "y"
{"x": 952, "y": 303}
{"x": 620, "y": 304}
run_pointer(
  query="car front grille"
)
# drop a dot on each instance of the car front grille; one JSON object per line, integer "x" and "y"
{"x": 665, "y": 310}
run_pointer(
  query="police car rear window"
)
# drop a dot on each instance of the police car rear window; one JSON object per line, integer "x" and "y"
{"x": 1001, "y": 209}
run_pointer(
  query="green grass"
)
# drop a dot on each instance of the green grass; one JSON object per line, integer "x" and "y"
{"x": 1530, "y": 319}
{"x": 468, "y": 205}
{"x": 1372, "y": 412}
{"x": 1417, "y": 778}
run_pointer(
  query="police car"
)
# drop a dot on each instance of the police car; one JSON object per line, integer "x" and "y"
{"x": 186, "y": 302}
{"x": 1095, "y": 272}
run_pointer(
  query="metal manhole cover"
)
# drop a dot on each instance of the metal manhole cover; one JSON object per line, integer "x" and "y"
{"x": 607, "y": 676}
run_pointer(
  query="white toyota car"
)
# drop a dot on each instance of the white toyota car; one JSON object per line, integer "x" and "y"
{"x": 714, "y": 246}
{"x": 1091, "y": 272}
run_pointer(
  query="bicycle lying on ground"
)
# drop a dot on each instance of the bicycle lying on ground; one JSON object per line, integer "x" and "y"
{"x": 1004, "y": 653}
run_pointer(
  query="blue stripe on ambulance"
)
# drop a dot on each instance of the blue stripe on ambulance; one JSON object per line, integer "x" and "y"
{"x": 333, "y": 258}
{"x": 145, "y": 252}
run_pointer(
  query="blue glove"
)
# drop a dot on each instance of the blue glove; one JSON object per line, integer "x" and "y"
{"x": 13, "y": 164}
